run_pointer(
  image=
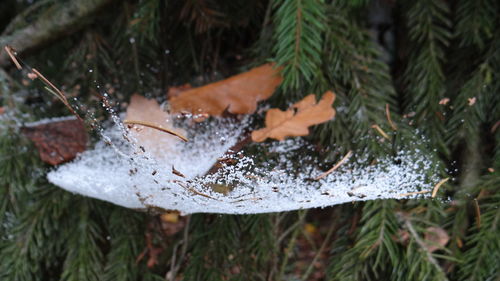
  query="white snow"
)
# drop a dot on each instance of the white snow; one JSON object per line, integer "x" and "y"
{"x": 124, "y": 175}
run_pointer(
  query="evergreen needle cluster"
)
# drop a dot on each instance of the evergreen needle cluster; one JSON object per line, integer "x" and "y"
{"x": 422, "y": 74}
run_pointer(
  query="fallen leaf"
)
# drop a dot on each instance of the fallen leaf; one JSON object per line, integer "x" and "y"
{"x": 152, "y": 140}
{"x": 172, "y": 217}
{"x": 310, "y": 228}
{"x": 172, "y": 223}
{"x": 402, "y": 236}
{"x": 238, "y": 94}
{"x": 175, "y": 91}
{"x": 472, "y": 101}
{"x": 436, "y": 238}
{"x": 296, "y": 120}
{"x": 444, "y": 101}
{"x": 57, "y": 141}
{"x": 2, "y": 110}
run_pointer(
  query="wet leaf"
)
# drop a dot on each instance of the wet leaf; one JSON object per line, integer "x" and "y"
{"x": 57, "y": 141}
{"x": 238, "y": 94}
{"x": 296, "y": 120}
{"x": 436, "y": 238}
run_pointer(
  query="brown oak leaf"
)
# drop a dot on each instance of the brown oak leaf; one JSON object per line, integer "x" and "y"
{"x": 296, "y": 120}
{"x": 238, "y": 94}
{"x": 57, "y": 141}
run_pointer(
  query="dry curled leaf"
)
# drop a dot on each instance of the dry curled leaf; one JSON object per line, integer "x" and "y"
{"x": 436, "y": 238}
{"x": 296, "y": 120}
{"x": 57, "y": 141}
{"x": 152, "y": 140}
{"x": 238, "y": 94}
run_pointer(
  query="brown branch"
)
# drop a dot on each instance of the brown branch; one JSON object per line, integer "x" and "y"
{"x": 67, "y": 18}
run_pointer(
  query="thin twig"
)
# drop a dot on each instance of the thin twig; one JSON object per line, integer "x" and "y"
{"x": 319, "y": 252}
{"x": 388, "y": 114}
{"x": 46, "y": 81}
{"x": 336, "y": 166}
{"x": 174, "y": 267}
{"x": 291, "y": 244}
{"x": 10, "y": 51}
{"x": 414, "y": 193}
{"x": 421, "y": 243}
{"x": 36, "y": 74}
{"x": 437, "y": 186}
{"x": 478, "y": 213}
{"x": 153, "y": 126}
{"x": 380, "y": 131}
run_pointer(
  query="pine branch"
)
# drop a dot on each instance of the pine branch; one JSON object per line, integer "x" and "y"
{"x": 483, "y": 242}
{"x": 428, "y": 27}
{"x": 212, "y": 246}
{"x": 352, "y": 67}
{"x": 300, "y": 25}
{"x": 375, "y": 249}
{"x": 472, "y": 104}
{"x": 32, "y": 247}
{"x": 125, "y": 234}
{"x": 84, "y": 259}
{"x": 476, "y": 21}
{"x": 419, "y": 263}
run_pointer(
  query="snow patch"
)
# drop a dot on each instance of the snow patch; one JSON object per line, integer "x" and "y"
{"x": 118, "y": 172}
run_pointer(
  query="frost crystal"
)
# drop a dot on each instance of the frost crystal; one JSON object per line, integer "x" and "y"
{"x": 124, "y": 175}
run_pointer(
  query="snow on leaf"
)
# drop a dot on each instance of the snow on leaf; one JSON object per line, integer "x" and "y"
{"x": 296, "y": 120}
{"x": 152, "y": 140}
{"x": 238, "y": 94}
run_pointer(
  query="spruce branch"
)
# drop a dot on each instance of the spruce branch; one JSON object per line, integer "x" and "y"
{"x": 428, "y": 31}
{"x": 476, "y": 21}
{"x": 300, "y": 25}
{"x": 480, "y": 260}
{"x": 351, "y": 66}
{"x": 375, "y": 250}
{"x": 84, "y": 259}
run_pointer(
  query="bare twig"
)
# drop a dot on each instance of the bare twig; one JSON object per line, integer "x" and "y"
{"x": 291, "y": 243}
{"x": 153, "y": 126}
{"x": 171, "y": 275}
{"x": 319, "y": 252}
{"x": 12, "y": 56}
{"x": 336, "y": 166}
{"x": 36, "y": 74}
